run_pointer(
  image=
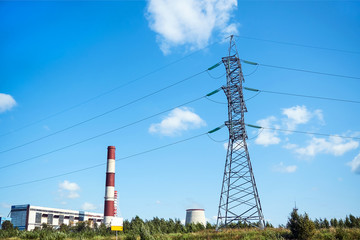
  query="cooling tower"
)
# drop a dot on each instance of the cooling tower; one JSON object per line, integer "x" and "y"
{"x": 195, "y": 216}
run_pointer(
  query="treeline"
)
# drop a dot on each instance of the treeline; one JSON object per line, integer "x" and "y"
{"x": 303, "y": 228}
{"x": 299, "y": 226}
{"x": 132, "y": 230}
{"x": 349, "y": 222}
{"x": 80, "y": 230}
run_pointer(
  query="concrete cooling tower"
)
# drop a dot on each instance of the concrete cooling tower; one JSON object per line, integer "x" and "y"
{"x": 195, "y": 216}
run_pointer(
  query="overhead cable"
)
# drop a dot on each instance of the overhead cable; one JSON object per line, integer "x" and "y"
{"x": 298, "y": 44}
{"x": 303, "y": 132}
{"x": 107, "y": 132}
{"x": 119, "y": 159}
{"x": 103, "y": 114}
{"x": 299, "y": 70}
{"x": 300, "y": 95}
{"x": 107, "y": 92}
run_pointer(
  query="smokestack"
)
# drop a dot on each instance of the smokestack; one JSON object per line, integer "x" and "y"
{"x": 110, "y": 185}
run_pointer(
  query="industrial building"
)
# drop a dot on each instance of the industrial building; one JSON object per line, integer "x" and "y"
{"x": 27, "y": 217}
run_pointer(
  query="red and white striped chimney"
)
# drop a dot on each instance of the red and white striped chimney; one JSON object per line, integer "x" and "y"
{"x": 110, "y": 185}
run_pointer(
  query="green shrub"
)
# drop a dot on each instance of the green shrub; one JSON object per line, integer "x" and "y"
{"x": 29, "y": 235}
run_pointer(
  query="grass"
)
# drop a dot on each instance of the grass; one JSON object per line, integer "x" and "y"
{"x": 227, "y": 234}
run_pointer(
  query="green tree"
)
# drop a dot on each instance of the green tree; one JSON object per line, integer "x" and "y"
{"x": 347, "y": 222}
{"x": 104, "y": 231}
{"x": 268, "y": 225}
{"x": 80, "y": 227}
{"x": 136, "y": 224}
{"x": 326, "y": 223}
{"x": 301, "y": 226}
{"x": 210, "y": 226}
{"x": 354, "y": 222}
{"x": 179, "y": 228}
{"x": 7, "y": 225}
{"x": 334, "y": 222}
{"x": 317, "y": 223}
{"x": 64, "y": 228}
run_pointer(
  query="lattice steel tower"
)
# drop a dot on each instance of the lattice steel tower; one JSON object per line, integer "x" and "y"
{"x": 239, "y": 199}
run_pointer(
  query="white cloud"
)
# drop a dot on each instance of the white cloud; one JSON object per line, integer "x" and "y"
{"x": 355, "y": 164}
{"x": 66, "y": 185}
{"x": 88, "y": 206}
{"x": 190, "y": 22}
{"x": 69, "y": 189}
{"x": 267, "y": 137}
{"x": 333, "y": 145}
{"x": 178, "y": 120}
{"x": 7, "y": 102}
{"x": 284, "y": 169}
{"x": 299, "y": 115}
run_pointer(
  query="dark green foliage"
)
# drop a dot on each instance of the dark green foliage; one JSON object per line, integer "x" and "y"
{"x": 347, "y": 222}
{"x": 7, "y": 225}
{"x": 326, "y": 223}
{"x": 334, "y": 222}
{"x": 354, "y": 222}
{"x": 145, "y": 233}
{"x": 102, "y": 230}
{"x": 210, "y": 226}
{"x": 268, "y": 225}
{"x": 341, "y": 223}
{"x": 301, "y": 226}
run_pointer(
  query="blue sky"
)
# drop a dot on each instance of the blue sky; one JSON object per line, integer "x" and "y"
{"x": 59, "y": 54}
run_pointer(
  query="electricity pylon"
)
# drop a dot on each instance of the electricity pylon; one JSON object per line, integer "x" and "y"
{"x": 239, "y": 198}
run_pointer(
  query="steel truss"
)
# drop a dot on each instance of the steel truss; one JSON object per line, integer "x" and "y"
{"x": 239, "y": 199}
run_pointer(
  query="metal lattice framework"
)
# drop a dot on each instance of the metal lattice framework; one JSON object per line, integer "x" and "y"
{"x": 239, "y": 199}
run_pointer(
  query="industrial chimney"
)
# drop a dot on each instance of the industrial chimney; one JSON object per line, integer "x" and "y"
{"x": 109, "y": 188}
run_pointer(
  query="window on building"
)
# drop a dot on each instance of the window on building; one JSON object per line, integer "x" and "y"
{"x": 71, "y": 220}
{"x": 61, "y": 219}
{"x": 50, "y": 219}
{"x": 38, "y": 218}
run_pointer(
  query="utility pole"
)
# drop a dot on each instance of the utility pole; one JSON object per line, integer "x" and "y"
{"x": 239, "y": 198}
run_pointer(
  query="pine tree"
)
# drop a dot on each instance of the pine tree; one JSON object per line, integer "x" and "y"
{"x": 301, "y": 227}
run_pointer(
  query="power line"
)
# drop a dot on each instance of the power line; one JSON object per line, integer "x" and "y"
{"x": 107, "y": 92}
{"x": 299, "y": 45}
{"x": 101, "y": 164}
{"x": 298, "y": 69}
{"x": 303, "y": 132}
{"x": 105, "y": 113}
{"x": 105, "y": 133}
{"x": 300, "y": 95}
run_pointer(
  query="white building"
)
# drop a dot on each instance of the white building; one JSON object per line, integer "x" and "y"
{"x": 27, "y": 217}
